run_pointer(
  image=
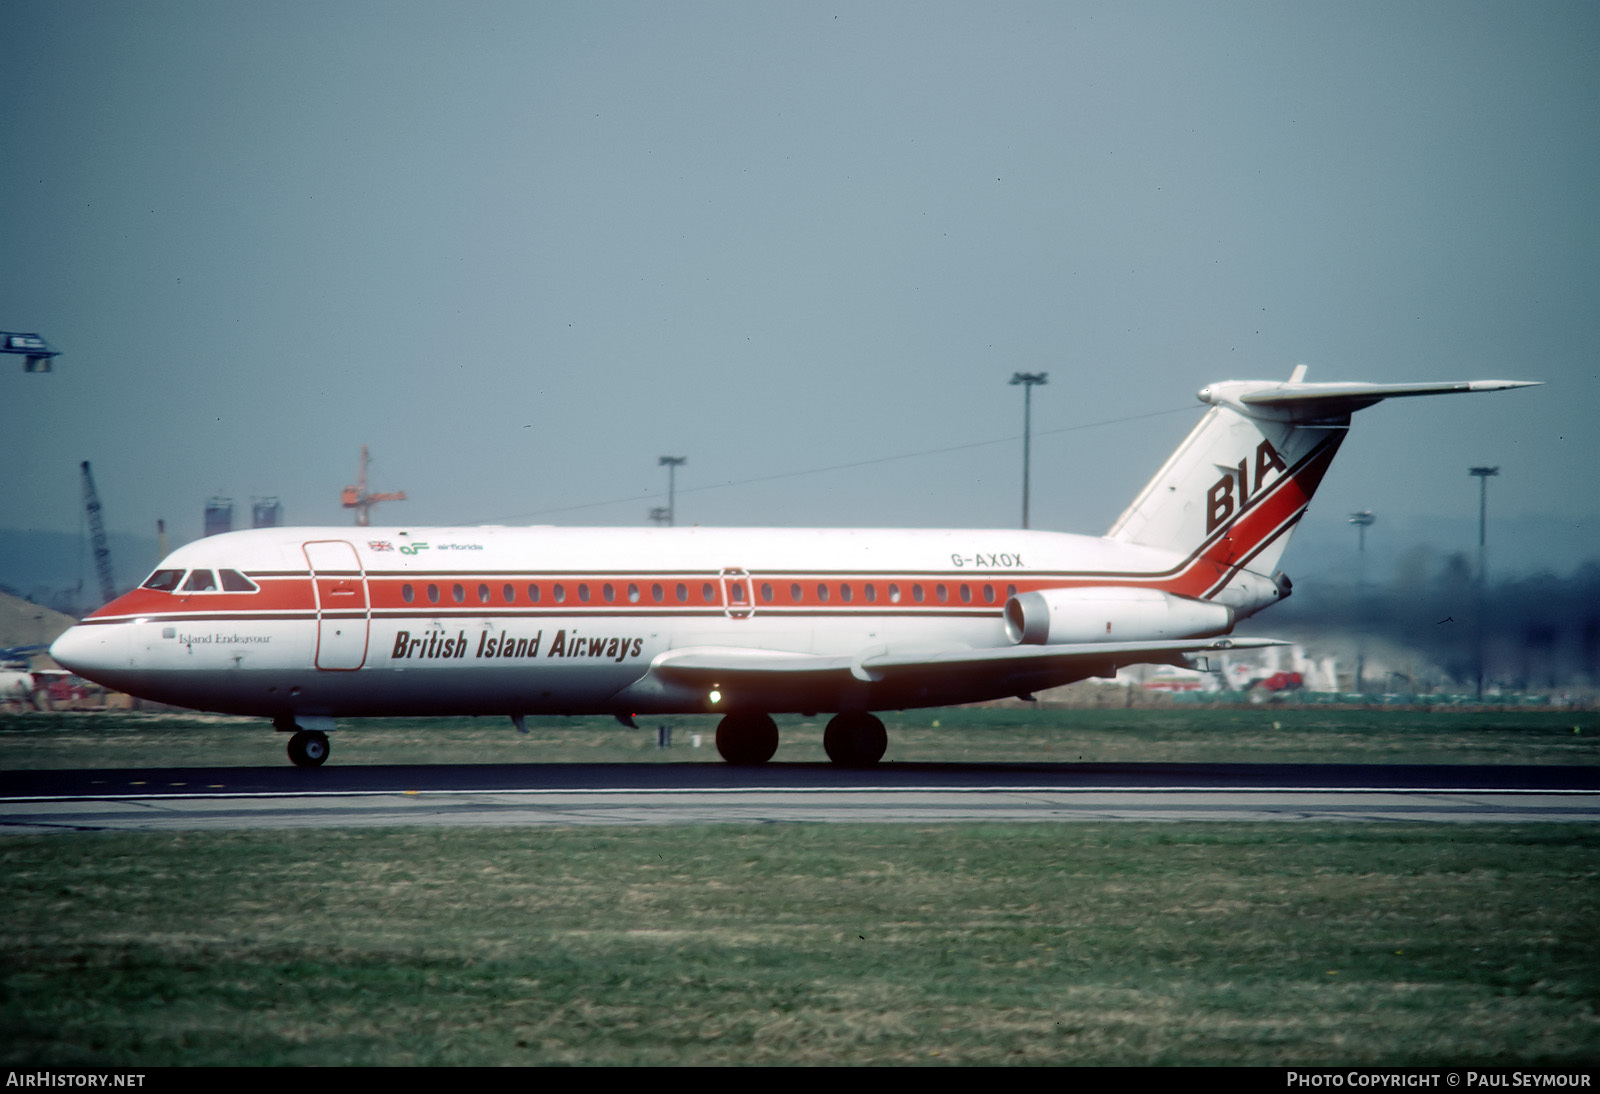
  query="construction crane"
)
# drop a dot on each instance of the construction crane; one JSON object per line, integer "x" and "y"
{"x": 97, "y": 537}
{"x": 356, "y": 497}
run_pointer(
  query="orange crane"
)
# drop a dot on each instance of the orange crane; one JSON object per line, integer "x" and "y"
{"x": 356, "y": 497}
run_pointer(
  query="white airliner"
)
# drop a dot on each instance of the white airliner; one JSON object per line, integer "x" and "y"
{"x": 306, "y": 625}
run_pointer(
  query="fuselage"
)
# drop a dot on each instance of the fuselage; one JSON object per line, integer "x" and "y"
{"x": 496, "y": 620}
{"x": 306, "y": 625}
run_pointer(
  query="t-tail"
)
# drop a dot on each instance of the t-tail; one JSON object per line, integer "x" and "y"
{"x": 1228, "y": 499}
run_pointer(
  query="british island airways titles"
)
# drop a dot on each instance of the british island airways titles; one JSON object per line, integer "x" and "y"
{"x": 439, "y": 645}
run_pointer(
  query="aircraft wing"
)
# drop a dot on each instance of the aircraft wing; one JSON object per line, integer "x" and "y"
{"x": 893, "y": 676}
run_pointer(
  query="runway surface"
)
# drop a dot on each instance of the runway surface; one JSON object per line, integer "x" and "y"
{"x": 152, "y": 799}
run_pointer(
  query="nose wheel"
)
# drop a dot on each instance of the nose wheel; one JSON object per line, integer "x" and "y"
{"x": 308, "y": 749}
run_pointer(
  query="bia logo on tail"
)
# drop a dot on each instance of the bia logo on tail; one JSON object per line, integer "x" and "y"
{"x": 1219, "y": 499}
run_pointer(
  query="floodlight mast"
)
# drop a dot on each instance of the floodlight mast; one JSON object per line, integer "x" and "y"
{"x": 1362, "y": 520}
{"x": 1483, "y": 475}
{"x": 671, "y": 463}
{"x": 1028, "y": 380}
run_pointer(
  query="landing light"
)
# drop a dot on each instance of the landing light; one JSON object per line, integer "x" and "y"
{"x": 715, "y": 696}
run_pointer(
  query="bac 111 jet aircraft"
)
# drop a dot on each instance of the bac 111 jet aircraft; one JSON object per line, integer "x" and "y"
{"x": 307, "y": 625}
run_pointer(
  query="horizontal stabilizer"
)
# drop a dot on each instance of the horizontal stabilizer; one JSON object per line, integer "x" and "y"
{"x": 1301, "y": 402}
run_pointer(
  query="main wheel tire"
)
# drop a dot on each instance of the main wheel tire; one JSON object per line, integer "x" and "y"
{"x": 308, "y": 749}
{"x": 855, "y": 740}
{"x": 747, "y": 740}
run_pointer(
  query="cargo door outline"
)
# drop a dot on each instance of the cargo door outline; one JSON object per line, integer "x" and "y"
{"x": 344, "y": 613}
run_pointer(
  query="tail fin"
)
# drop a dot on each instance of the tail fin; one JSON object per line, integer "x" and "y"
{"x": 1231, "y": 494}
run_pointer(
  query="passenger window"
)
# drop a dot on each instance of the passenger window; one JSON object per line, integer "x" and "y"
{"x": 988, "y": 594}
{"x": 736, "y": 591}
{"x": 942, "y": 593}
{"x": 433, "y": 594}
{"x": 683, "y": 593}
{"x": 822, "y": 593}
{"x": 533, "y": 594}
{"x": 508, "y": 593}
{"x": 766, "y": 592}
{"x": 609, "y": 592}
{"x": 163, "y": 581}
{"x": 633, "y": 593}
{"x": 560, "y": 593}
{"x": 407, "y": 593}
{"x": 916, "y": 593}
{"x": 583, "y": 591}
{"x": 235, "y": 582}
{"x": 483, "y": 594}
{"x": 708, "y": 593}
{"x": 796, "y": 594}
{"x": 657, "y": 593}
{"x": 459, "y": 593}
{"x": 845, "y": 594}
{"x": 872, "y": 593}
{"x": 966, "y": 594}
{"x": 1011, "y": 590}
{"x": 200, "y": 581}
{"x": 894, "y": 593}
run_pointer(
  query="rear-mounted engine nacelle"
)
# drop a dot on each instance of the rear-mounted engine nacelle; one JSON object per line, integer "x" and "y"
{"x": 1111, "y": 614}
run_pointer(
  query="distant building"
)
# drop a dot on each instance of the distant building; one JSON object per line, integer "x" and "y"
{"x": 219, "y": 516}
{"x": 265, "y": 513}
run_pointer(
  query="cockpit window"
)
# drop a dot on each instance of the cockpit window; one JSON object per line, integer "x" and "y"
{"x": 200, "y": 581}
{"x": 235, "y": 582}
{"x": 163, "y": 580}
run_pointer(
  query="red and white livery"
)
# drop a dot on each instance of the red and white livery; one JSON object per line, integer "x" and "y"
{"x": 308, "y": 625}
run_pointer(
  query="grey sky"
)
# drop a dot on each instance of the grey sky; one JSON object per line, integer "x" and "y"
{"x": 523, "y": 249}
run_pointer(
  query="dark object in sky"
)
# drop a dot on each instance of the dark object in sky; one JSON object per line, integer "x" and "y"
{"x": 35, "y": 349}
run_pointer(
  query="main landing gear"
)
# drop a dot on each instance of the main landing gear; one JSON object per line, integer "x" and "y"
{"x": 746, "y": 740}
{"x": 855, "y": 739}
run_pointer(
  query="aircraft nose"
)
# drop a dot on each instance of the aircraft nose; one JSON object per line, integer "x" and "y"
{"x": 87, "y": 651}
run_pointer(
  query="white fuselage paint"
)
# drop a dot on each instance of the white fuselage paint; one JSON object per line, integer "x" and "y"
{"x": 331, "y": 630}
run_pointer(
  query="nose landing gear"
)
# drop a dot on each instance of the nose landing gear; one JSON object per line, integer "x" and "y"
{"x": 308, "y": 749}
{"x": 309, "y": 745}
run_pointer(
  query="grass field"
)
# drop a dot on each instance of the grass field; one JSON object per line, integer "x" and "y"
{"x": 812, "y": 944}
{"x": 1049, "y": 944}
{"x": 961, "y": 735}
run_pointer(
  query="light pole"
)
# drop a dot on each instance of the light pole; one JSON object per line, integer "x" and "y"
{"x": 1483, "y": 475}
{"x": 671, "y": 463}
{"x": 1362, "y": 520}
{"x": 1027, "y": 380}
